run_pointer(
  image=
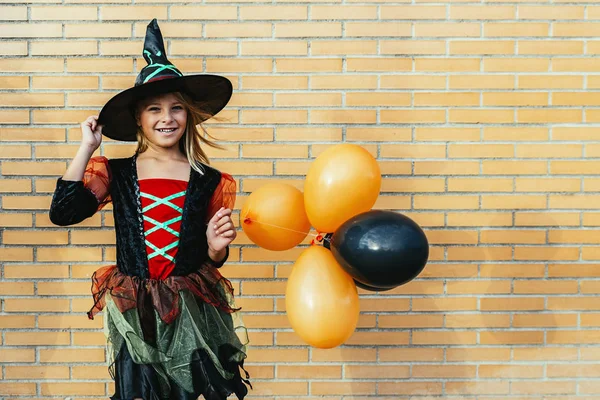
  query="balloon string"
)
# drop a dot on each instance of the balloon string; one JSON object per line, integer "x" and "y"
{"x": 318, "y": 236}
{"x": 250, "y": 220}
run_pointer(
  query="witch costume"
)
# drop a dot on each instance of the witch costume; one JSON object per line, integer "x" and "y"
{"x": 169, "y": 317}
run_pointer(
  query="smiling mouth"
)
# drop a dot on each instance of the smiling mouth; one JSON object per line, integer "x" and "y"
{"x": 167, "y": 130}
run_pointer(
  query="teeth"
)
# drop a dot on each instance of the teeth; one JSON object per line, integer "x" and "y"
{"x": 166, "y": 130}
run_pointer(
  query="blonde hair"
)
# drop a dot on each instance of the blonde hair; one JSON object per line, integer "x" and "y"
{"x": 194, "y": 136}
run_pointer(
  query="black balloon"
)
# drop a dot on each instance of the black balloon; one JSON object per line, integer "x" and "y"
{"x": 380, "y": 249}
{"x": 370, "y": 288}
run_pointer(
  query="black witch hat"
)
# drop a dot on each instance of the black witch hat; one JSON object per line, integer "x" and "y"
{"x": 211, "y": 92}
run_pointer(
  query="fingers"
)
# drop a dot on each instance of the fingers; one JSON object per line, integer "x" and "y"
{"x": 224, "y": 227}
{"x": 223, "y": 212}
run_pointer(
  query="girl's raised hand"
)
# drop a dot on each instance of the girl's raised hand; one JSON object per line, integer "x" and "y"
{"x": 220, "y": 231}
{"x": 91, "y": 133}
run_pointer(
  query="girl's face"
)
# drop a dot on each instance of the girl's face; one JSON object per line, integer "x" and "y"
{"x": 163, "y": 120}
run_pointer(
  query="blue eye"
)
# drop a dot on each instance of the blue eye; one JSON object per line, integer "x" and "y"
{"x": 178, "y": 108}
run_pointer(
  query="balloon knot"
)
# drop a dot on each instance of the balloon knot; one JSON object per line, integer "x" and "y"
{"x": 247, "y": 220}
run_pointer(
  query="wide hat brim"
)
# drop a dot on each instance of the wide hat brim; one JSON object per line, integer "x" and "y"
{"x": 210, "y": 92}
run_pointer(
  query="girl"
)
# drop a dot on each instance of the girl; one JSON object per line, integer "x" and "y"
{"x": 171, "y": 324}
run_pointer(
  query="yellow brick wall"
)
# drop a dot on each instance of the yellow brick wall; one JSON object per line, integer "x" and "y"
{"x": 483, "y": 116}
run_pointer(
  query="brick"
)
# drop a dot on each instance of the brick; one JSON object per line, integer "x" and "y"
{"x": 485, "y": 12}
{"x": 119, "y": 48}
{"x": 30, "y": 372}
{"x": 283, "y": 388}
{"x": 515, "y": 134}
{"x": 515, "y": 65}
{"x": 309, "y": 65}
{"x": 544, "y": 320}
{"x": 31, "y": 134}
{"x": 258, "y": 82}
{"x": 90, "y": 373}
{"x": 10, "y": 388}
{"x": 459, "y": 82}
{"x": 61, "y": 116}
{"x": 471, "y": 388}
{"x": 302, "y": 30}
{"x": 32, "y": 100}
{"x": 479, "y": 219}
{"x": 447, "y": 29}
{"x": 478, "y": 287}
{"x": 35, "y": 237}
{"x": 520, "y": 29}
{"x": 15, "y": 253}
{"x": 242, "y": 134}
{"x": 412, "y": 116}
{"x": 443, "y": 371}
{"x": 17, "y": 355}
{"x": 33, "y": 168}
{"x": 275, "y": 116}
{"x": 344, "y": 82}
{"x": 70, "y": 82}
{"x": 445, "y": 99}
{"x": 14, "y": 185}
{"x": 512, "y": 338}
{"x": 548, "y": 185}
{"x": 546, "y": 219}
{"x": 275, "y": 151}
{"x": 319, "y": 12}
{"x": 379, "y": 64}
{"x": 273, "y": 12}
{"x": 447, "y": 202}
{"x": 500, "y": 99}
{"x": 67, "y": 355}
{"x": 444, "y": 304}
{"x": 343, "y": 47}
{"x": 246, "y": 65}
{"x": 37, "y": 338}
{"x": 552, "y": 387}
{"x": 464, "y": 253}
{"x": 309, "y": 371}
{"x": 308, "y": 100}
{"x": 511, "y": 303}
{"x": 60, "y": 13}
{"x": 479, "y": 184}
{"x": 377, "y": 29}
{"x": 16, "y": 321}
{"x": 99, "y": 65}
{"x": 557, "y": 82}
{"x": 66, "y": 47}
{"x": 413, "y": 82}
{"x": 410, "y": 388}
{"x": 120, "y": 13}
{"x": 16, "y": 288}
{"x": 26, "y": 30}
{"x": 512, "y": 270}
{"x": 73, "y": 388}
{"x": 36, "y": 305}
{"x": 478, "y": 354}
{"x": 332, "y": 387}
{"x": 98, "y": 30}
{"x": 220, "y": 48}
{"x": 36, "y": 271}
{"x": 473, "y": 116}
{"x": 13, "y": 49}
{"x": 346, "y": 354}
{"x": 69, "y": 321}
{"x": 238, "y": 30}
{"x": 274, "y": 48}
{"x": 408, "y": 321}
{"x": 207, "y": 12}
{"x": 17, "y": 13}
{"x": 412, "y": 12}
{"x": 544, "y": 253}
{"x": 69, "y": 254}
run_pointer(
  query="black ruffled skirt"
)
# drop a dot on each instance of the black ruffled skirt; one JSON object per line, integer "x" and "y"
{"x": 172, "y": 339}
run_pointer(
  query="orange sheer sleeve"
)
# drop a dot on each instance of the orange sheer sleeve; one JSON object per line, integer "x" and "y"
{"x": 223, "y": 196}
{"x": 96, "y": 179}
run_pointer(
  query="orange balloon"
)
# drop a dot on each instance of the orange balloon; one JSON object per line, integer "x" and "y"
{"x": 274, "y": 218}
{"x": 342, "y": 182}
{"x": 321, "y": 299}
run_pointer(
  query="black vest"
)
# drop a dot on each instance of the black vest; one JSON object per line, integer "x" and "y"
{"x": 129, "y": 225}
